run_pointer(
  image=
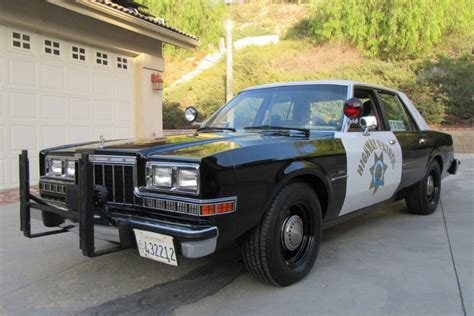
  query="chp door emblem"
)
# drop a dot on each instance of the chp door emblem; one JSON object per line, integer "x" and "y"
{"x": 378, "y": 172}
{"x": 381, "y": 154}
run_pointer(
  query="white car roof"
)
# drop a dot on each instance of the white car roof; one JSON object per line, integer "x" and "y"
{"x": 348, "y": 83}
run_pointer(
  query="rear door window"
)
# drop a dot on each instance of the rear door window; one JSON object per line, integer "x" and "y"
{"x": 394, "y": 113}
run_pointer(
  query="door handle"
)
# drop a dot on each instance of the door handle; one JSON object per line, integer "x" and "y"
{"x": 392, "y": 142}
{"x": 422, "y": 141}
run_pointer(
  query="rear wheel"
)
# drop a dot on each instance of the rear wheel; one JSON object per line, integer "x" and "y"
{"x": 423, "y": 199}
{"x": 282, "y": 249}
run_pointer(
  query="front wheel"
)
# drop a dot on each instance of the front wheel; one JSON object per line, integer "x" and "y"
{"x": 282, "y": 249}
{"x": 424, "y": 197}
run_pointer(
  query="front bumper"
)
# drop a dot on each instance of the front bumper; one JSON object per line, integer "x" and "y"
{"x": 92, "y": 222}
{"x": 453, "y": 167}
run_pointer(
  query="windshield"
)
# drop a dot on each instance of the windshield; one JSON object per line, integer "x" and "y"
{"x": 318, "y": 107}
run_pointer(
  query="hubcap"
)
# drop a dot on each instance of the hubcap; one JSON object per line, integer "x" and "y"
{"x": 430, "y": 186}
{"x": 292, "y": 232}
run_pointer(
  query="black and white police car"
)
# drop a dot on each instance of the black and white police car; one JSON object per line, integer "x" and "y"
{"x": 268, "y": 171}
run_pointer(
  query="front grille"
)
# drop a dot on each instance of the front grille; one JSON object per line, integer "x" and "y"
{"x": 118, "y": 179}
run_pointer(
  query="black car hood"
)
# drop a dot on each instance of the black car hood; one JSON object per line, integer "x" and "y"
{"x": 196, "y": 145}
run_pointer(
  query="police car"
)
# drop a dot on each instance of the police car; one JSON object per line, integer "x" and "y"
{"x": 268, "y": 171}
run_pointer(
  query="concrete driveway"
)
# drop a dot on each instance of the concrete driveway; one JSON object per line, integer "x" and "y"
{"x": 387, "y": 262}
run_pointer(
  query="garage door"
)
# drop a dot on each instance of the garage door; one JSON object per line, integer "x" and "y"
{"x": 55, "y": 92}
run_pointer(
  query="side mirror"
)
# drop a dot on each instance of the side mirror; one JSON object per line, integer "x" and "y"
{"x": 191, "y": 114}
{"x": 368, "y": 123}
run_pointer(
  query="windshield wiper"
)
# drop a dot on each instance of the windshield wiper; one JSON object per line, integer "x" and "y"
{"x": 215, "y": 128}
{"x": 290, "y": 130}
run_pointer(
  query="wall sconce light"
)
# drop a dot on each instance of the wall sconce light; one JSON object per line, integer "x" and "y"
{"x": 157, "y": 82}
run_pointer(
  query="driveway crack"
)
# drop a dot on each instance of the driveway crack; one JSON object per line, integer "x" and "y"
{"x": 452, "y": 259}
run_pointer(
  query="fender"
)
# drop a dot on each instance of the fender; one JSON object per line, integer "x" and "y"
{"x": 435, "y": 153}
{"x": 297, "y": 169}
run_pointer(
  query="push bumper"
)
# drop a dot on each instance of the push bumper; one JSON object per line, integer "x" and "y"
{"x": 453, "y": 168}
{"x": 92, "y": 222}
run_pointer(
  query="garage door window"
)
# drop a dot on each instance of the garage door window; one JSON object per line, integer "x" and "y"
{"x": 52, "y": 47}
{"x": 122, "y": 63}
{"x": 78, "y": 53}
{"x": 102, "y": 58}
{"x": 21, "y": 40}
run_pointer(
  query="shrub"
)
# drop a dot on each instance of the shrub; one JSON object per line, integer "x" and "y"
{"x": 173, "y": 116}
{"x": 389, "y": 28}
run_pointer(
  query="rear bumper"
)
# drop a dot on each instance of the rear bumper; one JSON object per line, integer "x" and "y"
{"x": 453, "y": 167}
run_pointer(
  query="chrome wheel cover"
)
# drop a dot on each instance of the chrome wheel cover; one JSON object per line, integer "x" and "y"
{"x": 292, "y": 232}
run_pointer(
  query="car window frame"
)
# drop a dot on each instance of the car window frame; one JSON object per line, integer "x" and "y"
{"x": 380, "y": 114}
{"x": 384, "y": 114}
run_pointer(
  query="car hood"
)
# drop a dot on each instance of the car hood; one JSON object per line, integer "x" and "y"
{"x": 195, "y": 145}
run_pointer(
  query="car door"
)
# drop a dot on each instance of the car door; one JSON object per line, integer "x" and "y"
{"x": 374, "y": 163}
{"x": 413, "y": 142}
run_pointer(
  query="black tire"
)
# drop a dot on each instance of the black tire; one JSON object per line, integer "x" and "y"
{"x": 267, "y": 251}
{"x": 52, "y": 220}
{"x": 423, "y": 199}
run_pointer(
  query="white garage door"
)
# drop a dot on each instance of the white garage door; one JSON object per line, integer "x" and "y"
{"x": 55, "y": 92}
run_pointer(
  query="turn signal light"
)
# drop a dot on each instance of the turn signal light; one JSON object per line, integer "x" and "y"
{"x": 217, "y": 208}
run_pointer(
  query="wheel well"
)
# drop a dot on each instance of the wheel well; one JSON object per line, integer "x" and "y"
{"x": 319, "y": 188}
{"x": 440, "y": 162}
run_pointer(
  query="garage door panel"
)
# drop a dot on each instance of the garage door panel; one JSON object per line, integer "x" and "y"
{"x": 23, "y": 137}
{"x": 122, "y": 89}
{"x": 21, "y": 73}
{"x": 107, "y": 132}
{"x": 103, "y": 110}
{"x": 123, "y": 132}
{"x": 2, "y": 141}
{"x": 79, "y": 81}
{"x": 2, "y": 71}
{"x": 80, "y": 134}
{"x": 53, "y": 107}
{"x": 48, "y": 100}
{"x": 79, "y": 109}
{"x": 52, "y": 76}
{"x": 53, "y": 136}
{"x": 102, "y": 85}
{"x": 123, "y": 112}
{"x": 22, "y": 106}
{"x": 2, "y": 105}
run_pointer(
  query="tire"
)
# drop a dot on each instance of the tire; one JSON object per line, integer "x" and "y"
{"x": 273, "y": 252}
{"x": 423, "y": 199}
{"x": 51, "y": 220}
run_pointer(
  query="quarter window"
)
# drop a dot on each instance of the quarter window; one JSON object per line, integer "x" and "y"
{"x": 21, "y": 40}
{"x": 78, "y": 53}
{"x": 394, "y": 113}
{"x": 102, "y": 58}
{"x": 52, "y": 47}
{"x": 122, "y": 63}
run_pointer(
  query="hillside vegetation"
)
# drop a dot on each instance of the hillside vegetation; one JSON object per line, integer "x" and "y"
{"x": 437, "y": 75}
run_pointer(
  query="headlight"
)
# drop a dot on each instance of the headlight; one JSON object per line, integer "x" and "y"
{"x": 70, "y": 168}
{"x": 163, "y": 177}
{"x": 173, "y": 177}
{"x": 187, "y": 179}
{"x": 56, "y": 168}
{"x": 59, "y": 167}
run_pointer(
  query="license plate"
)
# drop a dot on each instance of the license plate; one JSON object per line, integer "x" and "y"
{"x": 156, "y": 247}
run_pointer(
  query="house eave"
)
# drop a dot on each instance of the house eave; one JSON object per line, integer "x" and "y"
{"x": 126, "y": 21}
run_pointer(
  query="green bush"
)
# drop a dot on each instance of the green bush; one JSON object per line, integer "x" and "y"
{"x": 391, "y": 28}
{"x": 199, "y": 17}
{"x": 173, "y": 116}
